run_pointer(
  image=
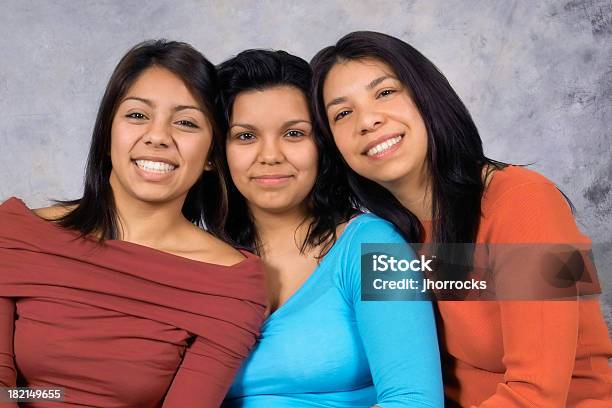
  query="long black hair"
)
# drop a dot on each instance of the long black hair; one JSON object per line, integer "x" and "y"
{"x": 455, "y": 157}
{"x": 95, "y": 212}
{"x": 329, "y": 201}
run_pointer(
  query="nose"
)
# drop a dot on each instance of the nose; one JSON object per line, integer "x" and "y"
{"x": 158, "y": 134}
{"x": 270, "y": 151}
{"x": 369, "y": 120}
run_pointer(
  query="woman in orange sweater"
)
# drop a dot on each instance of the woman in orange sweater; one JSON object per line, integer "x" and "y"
{"x": 415, "y": 158}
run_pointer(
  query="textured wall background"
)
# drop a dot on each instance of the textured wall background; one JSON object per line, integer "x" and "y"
{"x": 537, "y": 77}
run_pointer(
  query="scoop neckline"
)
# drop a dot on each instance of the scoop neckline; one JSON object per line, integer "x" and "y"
{"x": 314, "y": 276}
{"x": 248, "y": 257}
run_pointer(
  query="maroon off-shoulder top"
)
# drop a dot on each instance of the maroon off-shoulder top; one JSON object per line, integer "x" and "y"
{"x": 119, "y": 324}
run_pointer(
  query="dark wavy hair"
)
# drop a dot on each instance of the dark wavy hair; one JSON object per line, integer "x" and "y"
{"x": 455, "y": 157}
{"x": 329, "y": 201}
{"x": 95, "y": 212}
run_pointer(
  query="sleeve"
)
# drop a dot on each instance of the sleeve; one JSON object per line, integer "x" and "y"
{"x": 207, "y": 369}
{"x": 539, "y": 337}
{"x": 399, "y": 337}
{"x": 8, "y": 374}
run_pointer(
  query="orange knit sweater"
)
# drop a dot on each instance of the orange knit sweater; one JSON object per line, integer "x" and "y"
{"x": 525, "y": 353}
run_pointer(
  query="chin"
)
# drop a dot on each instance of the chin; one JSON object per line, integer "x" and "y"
{"x": 274, "y": 207}
{"x": 154, "y": 197}
{"x": 390, "y": 175}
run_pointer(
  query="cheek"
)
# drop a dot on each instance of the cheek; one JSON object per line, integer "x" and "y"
{"x": 346, "y": 146}
{"x": 119, "y": 144}
{"x": 205, "y": 149}
{"x": 420, "y": 132}
{"x": 424, "y": 142}
{"x": 197, "y": 148}
{"x": 303, "y": 156}
{"x": 238, "y": 162}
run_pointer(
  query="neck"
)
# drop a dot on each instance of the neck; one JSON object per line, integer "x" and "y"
{"x": 148, "y": 224}
{"x": 279, "y": 230}
{"x": 414, "y": 193}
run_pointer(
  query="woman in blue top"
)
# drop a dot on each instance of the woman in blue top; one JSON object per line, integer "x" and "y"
{"x": 321, "y": 346}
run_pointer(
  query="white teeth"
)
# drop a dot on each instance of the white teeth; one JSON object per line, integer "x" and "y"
{"x": 379, "y": 148}
{"x": 153, "y": 166}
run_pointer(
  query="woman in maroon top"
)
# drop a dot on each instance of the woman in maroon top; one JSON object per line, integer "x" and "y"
{"x": 120, "y": 297}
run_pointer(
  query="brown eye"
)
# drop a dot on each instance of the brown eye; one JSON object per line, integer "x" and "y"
{"x": 341, "y": 115}
{"x": 294, "y": 133}
{"x": 245, "y": 137}
{"x": 187, "y": 123}
{"x": 135, "y": 115}
{"x": 386, "y": 92}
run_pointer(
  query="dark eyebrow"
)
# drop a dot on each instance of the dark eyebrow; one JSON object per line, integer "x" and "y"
{"x": 243, "y": 125}
{"x": 152, "y": 104}
{"x": 285, "y": 125}
{"x": 336, "y": 101}
{"x": 377, "y": 81}
{"x": 295, "y": 122}
{"x": 183, "y": 107}
{"x": 369, "y": 86}
{"x": 147, "y": 101}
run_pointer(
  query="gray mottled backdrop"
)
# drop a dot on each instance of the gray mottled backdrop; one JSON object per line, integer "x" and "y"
{"x": 536, "y": 75}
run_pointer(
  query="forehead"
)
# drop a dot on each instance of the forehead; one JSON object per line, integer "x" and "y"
{"x": 270, "y": 104}
{"x": 160, "y": 84}
{"x": 352, "y": 75}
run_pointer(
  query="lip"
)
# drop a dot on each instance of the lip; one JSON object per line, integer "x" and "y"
{"x": 156, "y": 159}
{"x": 380, "y": 140}
{"x": 154, "y": 176}
{"x": 271, "y": 179}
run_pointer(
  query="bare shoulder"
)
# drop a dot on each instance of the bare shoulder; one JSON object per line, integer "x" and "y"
{"x": 224, "y": 253}
{"x": 53, "y": 212}
{"x": 205, "y": 247}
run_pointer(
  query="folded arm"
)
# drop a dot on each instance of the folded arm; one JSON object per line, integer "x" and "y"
{"x": 208, "y": 367}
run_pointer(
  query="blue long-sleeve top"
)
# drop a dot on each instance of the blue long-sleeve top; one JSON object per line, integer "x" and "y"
{"x": 326, "y": 348}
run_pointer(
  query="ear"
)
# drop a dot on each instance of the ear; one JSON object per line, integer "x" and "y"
{"x": 209, "y": 166}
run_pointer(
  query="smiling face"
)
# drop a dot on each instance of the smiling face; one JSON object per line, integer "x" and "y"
{"x": 376, "y": 125}
{"x": 160, "y": 139}
{"x": 271, "y": 152}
